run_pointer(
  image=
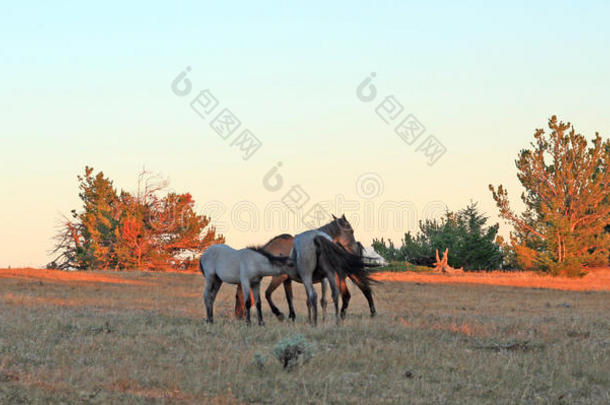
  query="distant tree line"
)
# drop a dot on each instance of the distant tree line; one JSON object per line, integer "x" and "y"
{"x": 471, "y": 244}
{"x": 121, "y": 230}
{"x": 565, "y": 226}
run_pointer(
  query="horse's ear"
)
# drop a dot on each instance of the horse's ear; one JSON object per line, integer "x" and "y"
{"x": 343, "y": 217}
{"x": 334, "y": 217}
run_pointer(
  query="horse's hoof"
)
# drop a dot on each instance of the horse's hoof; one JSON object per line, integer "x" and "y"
{"x": 261, "y": 323}
{"x": 209, "y": 320}
{"x": 292, "y": 317}
{"x": 342, "y": 315}
{"x": 373, "y": 314}
{"x": 280, "y": 316}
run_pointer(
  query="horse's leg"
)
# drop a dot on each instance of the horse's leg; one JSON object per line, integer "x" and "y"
{"x": 305, "y": 266}
{"x": 245, "y": 286}
{"x": 366, "y": 290}
{"x": 275, "y": 283}
{"x": 206, "y": 299}
{"x": 332, "y": 280}
{"x": 239, "y": 303}
{"x": 288, "y": 290}
{"x": 308, "y": 307}
{"x": 256, "y": 288}
{"x": 312, "y": 299}
{"x": 212, "y": 285}
{"x": 345, "y": 295}
{"x": 323, "y": 302}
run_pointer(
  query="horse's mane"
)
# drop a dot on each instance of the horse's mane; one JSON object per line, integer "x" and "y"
{"x": 273, "y": 259}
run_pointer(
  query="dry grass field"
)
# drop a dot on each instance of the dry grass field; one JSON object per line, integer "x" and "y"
{"x": 106, "y": 337}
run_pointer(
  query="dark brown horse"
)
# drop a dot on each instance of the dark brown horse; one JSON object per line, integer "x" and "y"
{"x": 281, "y": 246}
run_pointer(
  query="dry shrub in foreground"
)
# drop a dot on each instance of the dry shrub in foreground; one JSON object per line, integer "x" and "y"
{"x": 294, "y": 350}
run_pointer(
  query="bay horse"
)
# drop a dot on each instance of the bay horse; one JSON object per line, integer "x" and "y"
{"x": 281, "y": 245}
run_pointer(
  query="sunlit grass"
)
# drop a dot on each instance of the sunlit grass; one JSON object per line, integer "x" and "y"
{"x": 401, "y": 266}
{"x": 110, "y": 342}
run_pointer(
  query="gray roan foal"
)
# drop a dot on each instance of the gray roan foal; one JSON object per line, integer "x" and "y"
{"x": 222, "y": 263}
{"x": 331, "y": 252}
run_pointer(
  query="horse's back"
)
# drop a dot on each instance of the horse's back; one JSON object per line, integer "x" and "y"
{"x": 218, "y": 259}
{"x": 213, "y": 252}
{"x": 305, "y": 240}
{"x": 281, "y": 245}
{"x": 304, "y": 251}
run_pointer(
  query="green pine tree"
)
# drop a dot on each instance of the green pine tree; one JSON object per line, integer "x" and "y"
{"x": 471, "y": 245}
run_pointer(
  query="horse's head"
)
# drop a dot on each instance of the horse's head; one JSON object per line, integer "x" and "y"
{"x": 345, "y": 236}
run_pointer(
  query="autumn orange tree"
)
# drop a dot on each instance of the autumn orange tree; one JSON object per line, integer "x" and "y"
{"x": 147, "y": 230}
{"x": 567, "y": 202}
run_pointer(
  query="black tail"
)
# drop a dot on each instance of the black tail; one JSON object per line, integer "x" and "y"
{"x": 343, "y": 262}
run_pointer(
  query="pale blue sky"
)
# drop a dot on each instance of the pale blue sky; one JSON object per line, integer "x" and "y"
{"x": 90, "y": 84}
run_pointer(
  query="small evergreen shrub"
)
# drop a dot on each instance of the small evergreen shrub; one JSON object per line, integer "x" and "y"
{"x": 293, "y": 351}
{"x": 472, "y": 245}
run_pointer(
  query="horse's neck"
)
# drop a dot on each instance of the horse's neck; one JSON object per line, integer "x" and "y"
{"x": 273, "y": 270}
{"x": 331, "y": 229}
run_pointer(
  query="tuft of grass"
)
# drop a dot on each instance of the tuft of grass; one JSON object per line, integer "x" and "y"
{"x": 259, "y": 360}
{"x": 294, "y": 350}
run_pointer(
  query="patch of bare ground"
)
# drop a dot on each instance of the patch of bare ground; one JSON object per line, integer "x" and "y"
{"x": 134, "y": 337}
